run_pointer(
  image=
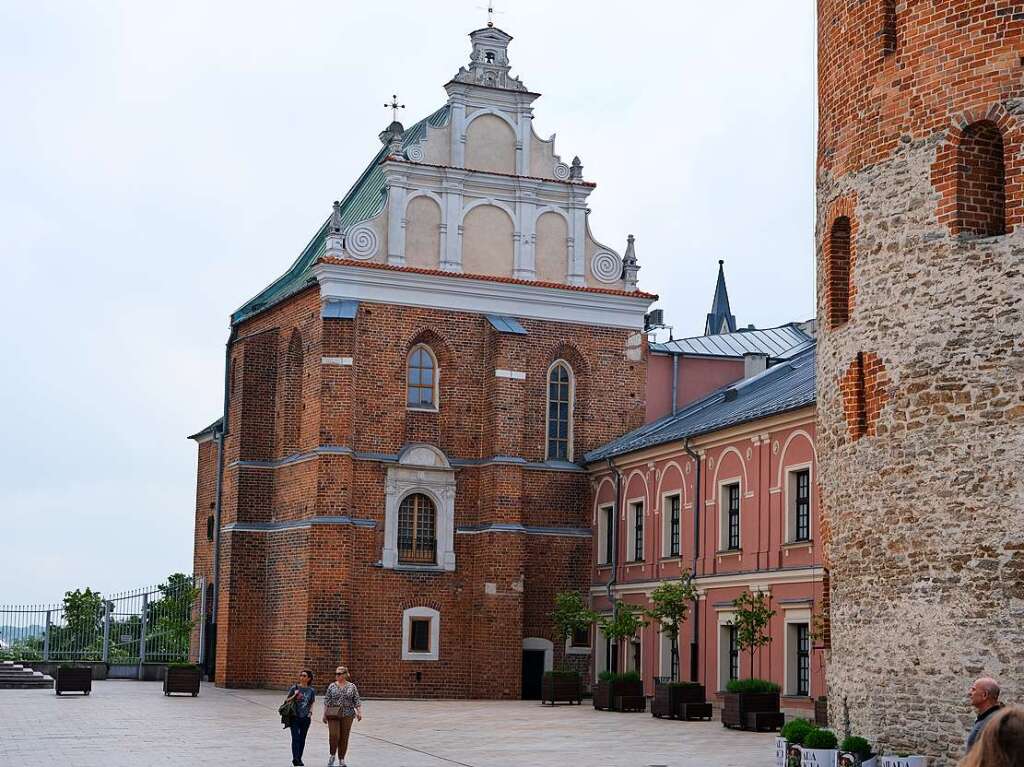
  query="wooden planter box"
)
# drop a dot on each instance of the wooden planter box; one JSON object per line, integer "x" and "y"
{"x": 558, "y": 688}
{"x": 184, "y": 680}
{"x": 821, "y": 712}
{"x": 73, "y": 679}
{"x": 739, "y": 709}
{"x": 620, "y": 696}
{"x": 677, "y": 701}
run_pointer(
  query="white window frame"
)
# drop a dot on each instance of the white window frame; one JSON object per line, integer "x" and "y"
{"x": 575, "y": 649}
{"x": 421, "y": 469}
{"x": 666, "y": 523}
{"x": 789, "y": 494}
{"x": 572, "y": 408}
{"x": 725, "y": 618}
{"x": 637, "y": 639}
{"x": 665, "y": 655}
{"x": 723, "y": 513}
{"x": 604, "y": 531}
{"x": 600, "y": 653}
{"x": 437, "y": 380}
{"x": 792, "y": 618}
{"x": 631, "y": 510}
{"x": 435, "y": 633}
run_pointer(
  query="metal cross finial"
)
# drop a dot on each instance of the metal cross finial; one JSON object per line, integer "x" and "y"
{"x": 490, "y": 12}
{"x": 394, "y": 106}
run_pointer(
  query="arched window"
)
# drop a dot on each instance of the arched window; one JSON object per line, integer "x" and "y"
{"x": 559, "y": 420}
{"x": 981, "y": 181}
{"x": 839, "y": 272}
{"x": 417, "y": 526}
{"x": 421, "y": 379}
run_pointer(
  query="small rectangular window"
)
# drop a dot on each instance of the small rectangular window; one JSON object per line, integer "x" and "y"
{"x": 733, "y": 492}
{"x": 209, "y": 528}
{"x": 803, "y": 660}
{"x": 803, "y": 505}
{"x": 581, "y": 637}
{"x": 419, "y": 635}
{"x": 673, "y": 527}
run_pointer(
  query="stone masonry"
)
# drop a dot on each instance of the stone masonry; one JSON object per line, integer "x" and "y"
{"x": 921, "y": 389}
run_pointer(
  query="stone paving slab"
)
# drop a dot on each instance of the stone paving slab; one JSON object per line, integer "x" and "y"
{"x": 132, "y": 723}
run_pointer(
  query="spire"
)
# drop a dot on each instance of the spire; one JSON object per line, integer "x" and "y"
{"x": 335, "y": 244}
{"x": 576, "y": 170}
{"x": 721, "y": 320}
{"x": 488, "y": 63}
{"x": 630, "y": 267}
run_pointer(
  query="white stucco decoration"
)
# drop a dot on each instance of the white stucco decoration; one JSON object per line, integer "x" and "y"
{"x": 361, "y": 241}
{"x": 421, "y": 469}
{"x": 415, "y": 153}
{"x": 606, "y": 267}
{"x": 560, "y": 171}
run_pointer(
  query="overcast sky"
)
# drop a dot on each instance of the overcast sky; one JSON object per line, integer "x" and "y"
{"x": 160, "y": 163}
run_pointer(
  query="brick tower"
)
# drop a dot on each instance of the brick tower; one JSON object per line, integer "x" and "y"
{"x": 921, "y": 361}
{"x": 394, "y": 484}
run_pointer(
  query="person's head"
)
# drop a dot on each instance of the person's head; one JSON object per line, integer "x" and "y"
{"x": 341, "y": 674}
{"x": 984, "y": 693}
{"x": 1001, "y": 743}
{"x": 305, "y": 677}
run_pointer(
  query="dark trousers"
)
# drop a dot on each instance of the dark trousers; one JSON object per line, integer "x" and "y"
{"x": 299, "y": 728}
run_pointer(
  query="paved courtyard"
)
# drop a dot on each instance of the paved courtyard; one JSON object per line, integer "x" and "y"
{"x": 132, "y": 723}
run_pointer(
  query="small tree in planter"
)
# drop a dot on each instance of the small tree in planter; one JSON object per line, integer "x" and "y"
{"x": 790, "y": 741}
{"x": 819, "y": 748}
{"x": 751, "y": 702}
{"x": 570, "y": 615}
{"x": 670, "y": 606}
{"x": 624, "y": 622}
{"x": 183, "y": 678}
{"x": 855, "y": 751}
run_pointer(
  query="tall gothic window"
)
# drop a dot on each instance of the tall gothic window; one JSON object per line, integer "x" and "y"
{"x": 733, "y": 517}
{"x": 417, "y": 525}
{"x": 559, "y": 434}
{"x": 803, "y": 505}
{"x": 421, "y": 379}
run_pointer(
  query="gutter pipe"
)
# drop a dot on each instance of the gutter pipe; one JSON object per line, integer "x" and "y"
{"x": 697, "y": 501}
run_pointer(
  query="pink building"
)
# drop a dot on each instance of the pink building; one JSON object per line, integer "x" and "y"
{"x": 724, "y": 488}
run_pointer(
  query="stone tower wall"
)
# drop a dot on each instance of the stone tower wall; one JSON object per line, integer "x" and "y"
{"x": 921, "y": 390}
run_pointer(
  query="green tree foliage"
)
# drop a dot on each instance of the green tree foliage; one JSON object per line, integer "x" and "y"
{"x": 624, "y": 622}
{"x": 571, "y": 614}
{"x": 670, "y": 604}
{"x": 172, "y": 615}
{"x": 751, "y": 620}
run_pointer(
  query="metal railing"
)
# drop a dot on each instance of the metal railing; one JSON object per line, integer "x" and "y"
{"x": 160, "y": 624}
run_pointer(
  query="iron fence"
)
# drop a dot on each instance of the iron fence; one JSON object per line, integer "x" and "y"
{"x": 159, "y": 624}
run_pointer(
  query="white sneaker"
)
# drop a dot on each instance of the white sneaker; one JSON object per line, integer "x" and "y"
{"x": 330, "y": 762}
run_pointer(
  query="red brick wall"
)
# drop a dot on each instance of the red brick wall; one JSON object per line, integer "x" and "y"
{"x": 316, "y": 595}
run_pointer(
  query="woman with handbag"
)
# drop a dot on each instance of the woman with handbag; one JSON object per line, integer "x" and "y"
{"x": 341, "y": 705}
{"x": 303, "y": 695}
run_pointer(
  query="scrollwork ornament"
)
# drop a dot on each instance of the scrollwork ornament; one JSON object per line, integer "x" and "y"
{"x": 561, "y": 171}
{"x": 606, "y": 267}
{"x": 361, "y": 241}
{"x": 415, "y": 153}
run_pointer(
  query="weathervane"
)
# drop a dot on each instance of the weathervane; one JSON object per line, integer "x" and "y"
{"x": 394, "y": 106}
{"x": 490, "y": 12}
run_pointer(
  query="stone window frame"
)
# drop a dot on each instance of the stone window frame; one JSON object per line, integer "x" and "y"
{"x": 789, "y": 501}
{"x": 605, "y": 538}
{"x": 631, "y": 517}
{"x": 723, "y": 514}
{"x": 436, "y": 394}
{"x": 725, "y": 624}
{"x": 665, "y": 656}
{"x": 571, "y": 648}
{"x": 666, "y": 524}
{"x": 422, "y": 469}
{"x": 421, "y": 613}
{"x": 570, "y": 435}
{"x": 794, "y": 615}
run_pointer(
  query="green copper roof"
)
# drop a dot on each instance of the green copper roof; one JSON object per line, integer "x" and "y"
{"x": 364, "y": 200}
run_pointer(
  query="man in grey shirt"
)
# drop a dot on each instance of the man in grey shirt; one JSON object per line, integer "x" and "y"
{"x": 984, "y": 697}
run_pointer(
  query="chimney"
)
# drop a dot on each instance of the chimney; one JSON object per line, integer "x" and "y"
{"x": 754, "y": 363}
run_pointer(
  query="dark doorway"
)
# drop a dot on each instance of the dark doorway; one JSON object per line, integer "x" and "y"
{"x": 533, "y": 673}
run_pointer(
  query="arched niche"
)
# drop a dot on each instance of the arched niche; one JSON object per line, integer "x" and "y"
{"x": 423, "y": 233}
{"x": 551, "y": 252}
{"x": 487, "y": 245}
{"x": 490, "y": 145}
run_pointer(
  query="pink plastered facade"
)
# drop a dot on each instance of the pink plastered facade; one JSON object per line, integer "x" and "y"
{"x": 761, "y": 462}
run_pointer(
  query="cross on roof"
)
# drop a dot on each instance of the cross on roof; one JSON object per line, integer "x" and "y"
{"x": 394, "y": 106}
{"x": 490, "y": 12}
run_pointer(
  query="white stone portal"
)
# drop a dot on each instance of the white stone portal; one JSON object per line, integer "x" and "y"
{"x": 421, "y": 469}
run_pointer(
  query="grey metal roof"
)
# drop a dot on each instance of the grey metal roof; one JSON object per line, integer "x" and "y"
{"x": 506, "y": 324}
{"x": 775, "y": 342}
{"x": 783, "y": 387}
{"x": 211, "y": 429}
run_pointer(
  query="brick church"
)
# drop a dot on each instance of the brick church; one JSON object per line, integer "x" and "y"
{"x": 396, "y": 482}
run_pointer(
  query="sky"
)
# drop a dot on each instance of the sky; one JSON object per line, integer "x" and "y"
{"x": 161, "y": 163}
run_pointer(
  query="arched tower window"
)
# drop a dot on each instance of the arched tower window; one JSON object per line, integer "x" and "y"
{"x": 417, "y": 530}
{"x": 838, "y": 276}
{"x": 421, "y": 379}
{"x": 559, "y": 416}
{"x": 981, "y": 181}
{"x": 291, "y": 406}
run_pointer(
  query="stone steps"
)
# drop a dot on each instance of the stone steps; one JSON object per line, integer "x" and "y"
{"x": 15, "y": 676}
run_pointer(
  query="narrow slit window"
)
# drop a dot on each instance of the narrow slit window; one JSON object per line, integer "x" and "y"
{"x": 559, "y": 431}
{"x": 803, "y": 505}
{"x": 733, "y": 517}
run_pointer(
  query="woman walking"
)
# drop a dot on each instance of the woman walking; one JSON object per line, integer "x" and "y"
{"x": 303, "y": 694}
{"x": 341, "y": 704}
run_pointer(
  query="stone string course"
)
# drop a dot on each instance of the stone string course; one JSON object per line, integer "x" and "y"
{"x": 924, "y": 501}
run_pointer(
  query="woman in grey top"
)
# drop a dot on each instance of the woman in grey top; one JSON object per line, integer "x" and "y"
{"x": 303, "y": 694}
{"x": 341, "y": 706}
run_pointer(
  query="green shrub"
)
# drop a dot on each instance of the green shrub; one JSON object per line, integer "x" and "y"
{"x": 796, "y": 730}
{"x": 856, "y": 745}
{"x": 751, "y": 685}
{"x": 820, "y": 739}
{"x": 610, "y": 676}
